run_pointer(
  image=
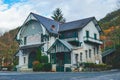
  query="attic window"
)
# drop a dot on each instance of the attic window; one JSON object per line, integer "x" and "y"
{"x": 53, "y": 27}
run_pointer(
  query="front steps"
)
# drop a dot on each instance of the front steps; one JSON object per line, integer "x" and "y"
{"x": 25, "y": 70}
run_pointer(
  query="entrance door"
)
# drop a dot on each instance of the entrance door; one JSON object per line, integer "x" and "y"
{"x": 60, "y": 62}
{"x": 32, "y": 58}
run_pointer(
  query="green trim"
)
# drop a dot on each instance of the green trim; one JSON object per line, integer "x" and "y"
{"x": 54, "y": 44}
{"x": 70, "y": 34}
{"x": 87, "y": 34}
{"x": 95, "y": 36}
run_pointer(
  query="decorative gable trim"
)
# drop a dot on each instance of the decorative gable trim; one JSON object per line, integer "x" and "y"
{"x": 60, "y": 46}
{"x": 30, "y": 17}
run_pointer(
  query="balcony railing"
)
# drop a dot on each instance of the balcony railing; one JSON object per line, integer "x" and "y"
{"x": 71, "y": 39}
{"x": 92, "y": 40}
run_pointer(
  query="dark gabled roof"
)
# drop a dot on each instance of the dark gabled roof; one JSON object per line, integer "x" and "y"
{"x": 66, "y": 45}
{"x": 47, "y": 23}
{"x": 75, "y": 24}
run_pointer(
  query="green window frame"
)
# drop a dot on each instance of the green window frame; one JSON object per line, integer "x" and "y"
{"x": 53, "y": 58}
{"x": 25, "y": 40}
{"x": 87, "y": 34}
{"x": 67, "y": 58}
{"x": 86, "y": 54}
{"x": 95, "y": 36}
{"x": 81, "y": 56}
{"x": 90, "y": 53}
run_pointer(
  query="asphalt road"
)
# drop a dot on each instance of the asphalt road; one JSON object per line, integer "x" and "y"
{"x": 107, "y": 75}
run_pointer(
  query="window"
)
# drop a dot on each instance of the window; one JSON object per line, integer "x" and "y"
{"x": 25, "y": 38}
{"x": 86, "y": 54}
{"x": 76, "y": 58}
{"x": 67, "y": 58}
{"x": 81, "y": 57}
{"x": 87, "y": 34}
{"x": 24, "y": 60}
{"x": 70, "y": 34}
{"x": 95, "y": 36}
{"x": 94, "y": 50}
{"x": 97, "y": 50}
{"x": 89, "y": 53}
{"x": 53, "y": 58}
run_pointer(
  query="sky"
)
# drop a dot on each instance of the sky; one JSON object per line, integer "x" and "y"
{"x": 14, "y": 12}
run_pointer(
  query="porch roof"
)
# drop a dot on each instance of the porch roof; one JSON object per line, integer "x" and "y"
{"x": 31, "y": 46}
{"x": 60, "y": 46}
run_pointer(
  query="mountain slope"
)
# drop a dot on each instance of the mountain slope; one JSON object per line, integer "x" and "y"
{"x": 8, "y": 47}
{"x": 111, "y": 19}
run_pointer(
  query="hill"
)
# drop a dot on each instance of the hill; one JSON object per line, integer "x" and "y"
{"x": 8, "y": 46}
{"x": 111, "y": 19}
{"x": 110, "y": 25}
{"x": 111, "y": 37}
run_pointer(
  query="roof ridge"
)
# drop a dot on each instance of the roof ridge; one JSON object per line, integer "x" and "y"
{"x": 43, "y": 16}
{"x": 79, "y": 20}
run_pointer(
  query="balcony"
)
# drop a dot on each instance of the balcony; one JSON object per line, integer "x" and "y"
{"x": 92, "y": 40}
{"x": 71, "y": 39}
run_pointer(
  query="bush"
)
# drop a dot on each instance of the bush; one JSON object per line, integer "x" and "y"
{"x": 35, "y": 62}
{"x": 47, "y": 67}
{"x": 44, "y": 59}
{"x": 37, "y": 66}
{"x": 95, "y": 67}
{"x": 68, "y": 69}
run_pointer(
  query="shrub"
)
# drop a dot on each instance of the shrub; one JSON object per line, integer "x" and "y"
{"x": 47, "y": 67}
{"x": 68, "y": 69}
{"x": 44, "y": 59}
{"x": 37, "y": 66}
{"x": 95, "y": 67}
{"x": 35, "y": 62}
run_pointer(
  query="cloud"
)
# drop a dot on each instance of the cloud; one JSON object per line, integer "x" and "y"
{"x": 14, "y": 16}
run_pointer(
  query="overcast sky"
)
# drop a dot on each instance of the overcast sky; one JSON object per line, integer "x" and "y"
{"x": 14, "y": 12}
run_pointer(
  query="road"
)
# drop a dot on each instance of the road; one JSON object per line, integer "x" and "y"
{"x": 107, "y": 75}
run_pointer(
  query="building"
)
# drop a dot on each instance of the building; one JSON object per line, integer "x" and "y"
{"x": 65, "y": 44}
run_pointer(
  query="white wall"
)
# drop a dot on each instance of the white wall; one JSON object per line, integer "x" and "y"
{"x": 21, "y": 60}
{"x": 92, "y": 29}
{"x": 86, "y": 46}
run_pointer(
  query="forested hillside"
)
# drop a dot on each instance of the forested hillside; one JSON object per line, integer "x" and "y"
{"x": 110, "y": 25}
{"x": 111, "y": 19}
{"x": 8, "y": 46}
{"x": 111, "y": 37}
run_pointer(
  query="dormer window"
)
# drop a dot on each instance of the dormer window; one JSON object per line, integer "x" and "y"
{"x": 53, "y": 27}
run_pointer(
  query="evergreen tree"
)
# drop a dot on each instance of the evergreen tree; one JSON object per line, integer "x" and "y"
{"x": 58, "y": 16}
{"x": 39, "y": 53}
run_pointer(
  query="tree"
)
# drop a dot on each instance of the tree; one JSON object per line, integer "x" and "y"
{"x": 38, "y": 54}
{"x": 58, "y": 16}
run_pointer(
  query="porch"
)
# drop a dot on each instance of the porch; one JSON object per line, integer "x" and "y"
{"x": 60, "y": 55}
{"x": 27, "y": 55}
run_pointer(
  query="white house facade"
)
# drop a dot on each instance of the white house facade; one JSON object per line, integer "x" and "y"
{"x": 65, "y": 44}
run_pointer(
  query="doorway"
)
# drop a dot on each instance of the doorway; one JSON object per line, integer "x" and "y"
{"x": 60, "y": 62}
{"x": 31, "y": 59}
